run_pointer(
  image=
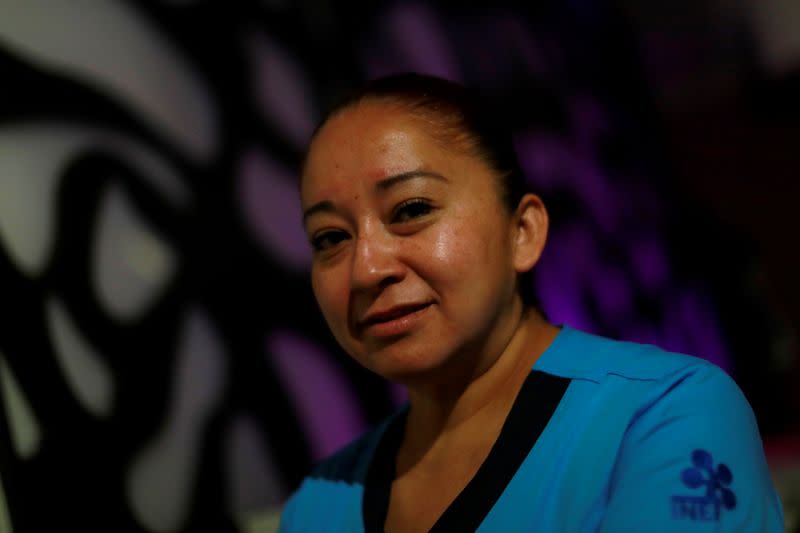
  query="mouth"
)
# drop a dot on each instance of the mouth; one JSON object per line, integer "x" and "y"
{"x": 395, "y": 320}
{"x": 392, "y": 313}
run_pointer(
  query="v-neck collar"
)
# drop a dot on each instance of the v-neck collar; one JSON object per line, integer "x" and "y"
{"x": 532, "y": 409}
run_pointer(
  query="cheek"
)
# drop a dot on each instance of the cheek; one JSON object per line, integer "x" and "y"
{"x": 469, "y": 251}
{"x": 450, "y": 247}
{"x": 456, "y": 251}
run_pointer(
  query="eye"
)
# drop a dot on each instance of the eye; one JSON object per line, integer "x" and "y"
{"x": 327, "y": 239}
{"x": 411, "y": 209}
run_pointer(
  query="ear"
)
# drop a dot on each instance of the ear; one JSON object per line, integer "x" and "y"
{"x": 530, "y": 225}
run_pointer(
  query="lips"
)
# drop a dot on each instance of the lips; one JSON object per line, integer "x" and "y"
{"x": 386, "y": 325}
{"x": 393, "y": 313}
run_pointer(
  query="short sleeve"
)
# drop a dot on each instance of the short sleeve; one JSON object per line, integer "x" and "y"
{"x": 692, "y": 460}
{"x": 287, "y": 520}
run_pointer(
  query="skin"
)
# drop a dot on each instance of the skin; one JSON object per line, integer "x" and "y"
{"x": 415, "y": 270}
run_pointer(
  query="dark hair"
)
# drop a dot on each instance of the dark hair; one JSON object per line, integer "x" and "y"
{"x": 461, "y": 120}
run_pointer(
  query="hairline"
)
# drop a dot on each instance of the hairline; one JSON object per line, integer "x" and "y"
{"x": 469, "y": 145}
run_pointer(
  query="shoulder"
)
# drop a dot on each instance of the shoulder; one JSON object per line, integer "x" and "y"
{"x": 331, "y": 493}
{"x": 646, "y": 386}
{"x": 350, "y": 464}
{"x": 687, "y": 450}
{"x": 584, "y": 356}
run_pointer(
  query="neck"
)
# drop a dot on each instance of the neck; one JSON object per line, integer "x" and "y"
{"x": 481, "y": 394}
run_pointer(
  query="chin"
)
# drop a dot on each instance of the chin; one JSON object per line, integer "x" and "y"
{"x": 404, "y": 366}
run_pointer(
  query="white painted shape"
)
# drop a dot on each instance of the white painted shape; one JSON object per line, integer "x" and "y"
{"x": 110, "y": 46}
{"x": 160, "y": 479}
{"x": 253, "y": 483}
{"x": 85, "y": 372}
{"x": 5, "y": 517}
{"x": 264, "y": 521}
{"x": 26, "y": 435}
{"x": 32, "y": 158}
{"x": 131, "y": 263}
{"x": 28, "y": 175}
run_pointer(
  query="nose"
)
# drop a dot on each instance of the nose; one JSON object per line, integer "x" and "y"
{"x": 375, "y": 263}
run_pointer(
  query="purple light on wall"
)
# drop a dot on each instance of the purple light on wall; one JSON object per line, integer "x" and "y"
{"x": 553, "y": 164}
{"x": 417, "y": 42}
{"x": 644, "y": 333}
{"x": 558, "y": 279}
{"x": 572, "y": 270}
{"x": 281, "y": 89}
{"x": 649, "y": 261}
{"x": 270, "y": 203}
{"x": 590, "y": 123}
{"x": 613, "y": 291}
{"x": 600, "y": 198}
{"x": 540, "y": 156}
{"x": 690, "y": 327}
{"x": 326, "y": 407}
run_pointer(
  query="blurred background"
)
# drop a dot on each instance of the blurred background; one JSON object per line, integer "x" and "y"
{"x": 163, "y": 365}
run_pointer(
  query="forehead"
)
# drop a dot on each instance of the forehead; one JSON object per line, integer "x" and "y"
{"x": 367, "y": 136}
{"x": 372, "y": 140}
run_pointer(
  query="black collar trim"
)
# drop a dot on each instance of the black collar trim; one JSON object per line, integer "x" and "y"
{"x": 534, "y": 406}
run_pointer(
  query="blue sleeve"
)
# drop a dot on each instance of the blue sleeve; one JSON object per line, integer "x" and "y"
{"x": 321, "y": 505}
{"x": 692, "y": 460}
{"x": 287, "y": 521}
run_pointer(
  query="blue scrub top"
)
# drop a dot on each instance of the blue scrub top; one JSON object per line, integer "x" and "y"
{"x": 603, "y": 436}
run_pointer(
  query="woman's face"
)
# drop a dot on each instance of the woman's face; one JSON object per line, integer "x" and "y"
{"x": 413, "y": 263}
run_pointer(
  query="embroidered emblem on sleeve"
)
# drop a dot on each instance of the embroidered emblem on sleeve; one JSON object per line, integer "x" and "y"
{"x": 718, "y": 495}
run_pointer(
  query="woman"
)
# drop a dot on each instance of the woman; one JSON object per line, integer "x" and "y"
{"x": 421, "y": 233}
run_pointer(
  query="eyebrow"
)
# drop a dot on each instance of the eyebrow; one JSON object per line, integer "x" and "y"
{"x": 391, "y": 181}
{"x": 382, "y": 185}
